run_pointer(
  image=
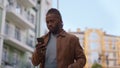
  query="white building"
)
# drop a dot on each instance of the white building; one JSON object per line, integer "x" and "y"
{"x": 17, "y": 31}
{"x": 45, "y": 5}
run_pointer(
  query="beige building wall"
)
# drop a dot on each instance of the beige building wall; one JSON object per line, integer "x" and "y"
{"x": 99, "y": 47}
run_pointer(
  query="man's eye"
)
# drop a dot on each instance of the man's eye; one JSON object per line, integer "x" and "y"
{"x": 52, "y": 20}
{"x": 47, "y": 22}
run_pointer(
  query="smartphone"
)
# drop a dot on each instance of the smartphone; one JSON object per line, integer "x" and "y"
{"x": 41, "y": 40}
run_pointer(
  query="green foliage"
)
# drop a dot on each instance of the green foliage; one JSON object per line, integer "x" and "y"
{"x": 96, "y": 65}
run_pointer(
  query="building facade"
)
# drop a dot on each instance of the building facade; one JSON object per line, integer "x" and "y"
{"x": 18, "y": 29}
{"x": 100, "y": 48}
{"x": 46, "y": 5}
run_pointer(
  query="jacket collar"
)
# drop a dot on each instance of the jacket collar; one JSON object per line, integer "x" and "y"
{"x": 62, "y": 33}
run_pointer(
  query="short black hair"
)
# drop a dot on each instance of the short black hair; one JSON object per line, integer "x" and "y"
{"x": 54, "y": 11}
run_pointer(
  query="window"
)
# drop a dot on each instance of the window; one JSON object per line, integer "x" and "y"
{"x": 11, "y": 2}
{"x": 25, "y": 13}
{"x": 32, "y": 18}
{"x": 29, "y": 64}
{"x": 107, "y": 59}
{"x": 32, "y": 29}
{"x": 107, "y": 45}
{"x": 17, "y": 34}
{"x": 94, "y": 36}
{"x": 7, "y": 28}
{"x": 94, "y": 45}
{"x": 15, "y": 59}
{"x": 94, "y": 57}
{"x": 30, "y": 40}
{"x": 113, "y": 44}
{"x": 28, "y": 15}
{"x": 18, "y": 9}
{"x": 5, "y": 55}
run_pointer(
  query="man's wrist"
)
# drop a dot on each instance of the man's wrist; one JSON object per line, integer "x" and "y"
{"x": 71, "y": 66}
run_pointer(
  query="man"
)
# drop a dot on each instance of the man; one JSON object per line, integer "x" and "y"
{"x": 59, "y": 49}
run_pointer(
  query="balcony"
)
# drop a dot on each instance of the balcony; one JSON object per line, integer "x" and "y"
{"x": 16, "y": 40}
{"x": 28, "y": 3}
{"x": 16, "y": 14}
{"x": 17, "y": 44}
{"x": 18, "y": 64}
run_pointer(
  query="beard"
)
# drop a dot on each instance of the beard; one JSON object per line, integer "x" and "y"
{"x": 55, "y": 30}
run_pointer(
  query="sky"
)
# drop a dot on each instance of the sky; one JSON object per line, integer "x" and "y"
{"x": 98, "y": 14}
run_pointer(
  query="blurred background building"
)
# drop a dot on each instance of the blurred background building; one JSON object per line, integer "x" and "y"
{"x": 99, "y": 47}
{"x": 19, "y": 22}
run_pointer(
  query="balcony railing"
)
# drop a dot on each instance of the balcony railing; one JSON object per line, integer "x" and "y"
{"x": 15, "y": 37}
{"x": 16, "y": 11}
{"x": 19, "y": 10}
{"x": 20, "y": 64}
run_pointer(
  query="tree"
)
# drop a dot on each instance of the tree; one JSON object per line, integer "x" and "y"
{"x": 96, "y": 65}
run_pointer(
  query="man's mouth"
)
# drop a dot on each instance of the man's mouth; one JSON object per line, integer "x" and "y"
{"x": 50, "y": 28}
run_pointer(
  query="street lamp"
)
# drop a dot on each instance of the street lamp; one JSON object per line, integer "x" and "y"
{"x": 57, "y": 4}
{"x": 38, "y": 19}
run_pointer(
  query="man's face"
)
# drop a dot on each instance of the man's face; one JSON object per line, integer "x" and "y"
{"x": 52, "y": 21}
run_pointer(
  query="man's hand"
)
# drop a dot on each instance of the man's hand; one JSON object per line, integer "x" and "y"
{"x": 39, "y": 54}
{"x": 40, "y": 48}
{"x": 70, "y": 66}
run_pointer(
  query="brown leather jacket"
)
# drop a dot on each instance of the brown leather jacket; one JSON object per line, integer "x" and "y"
{"x": 69, "y": 52}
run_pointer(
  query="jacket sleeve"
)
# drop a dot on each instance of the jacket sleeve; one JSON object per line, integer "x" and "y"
{"x": 78, "y": 55}
{"x": 36, "y": 58}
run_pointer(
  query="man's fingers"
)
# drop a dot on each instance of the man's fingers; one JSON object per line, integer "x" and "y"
{"x": 40, "y": 46}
